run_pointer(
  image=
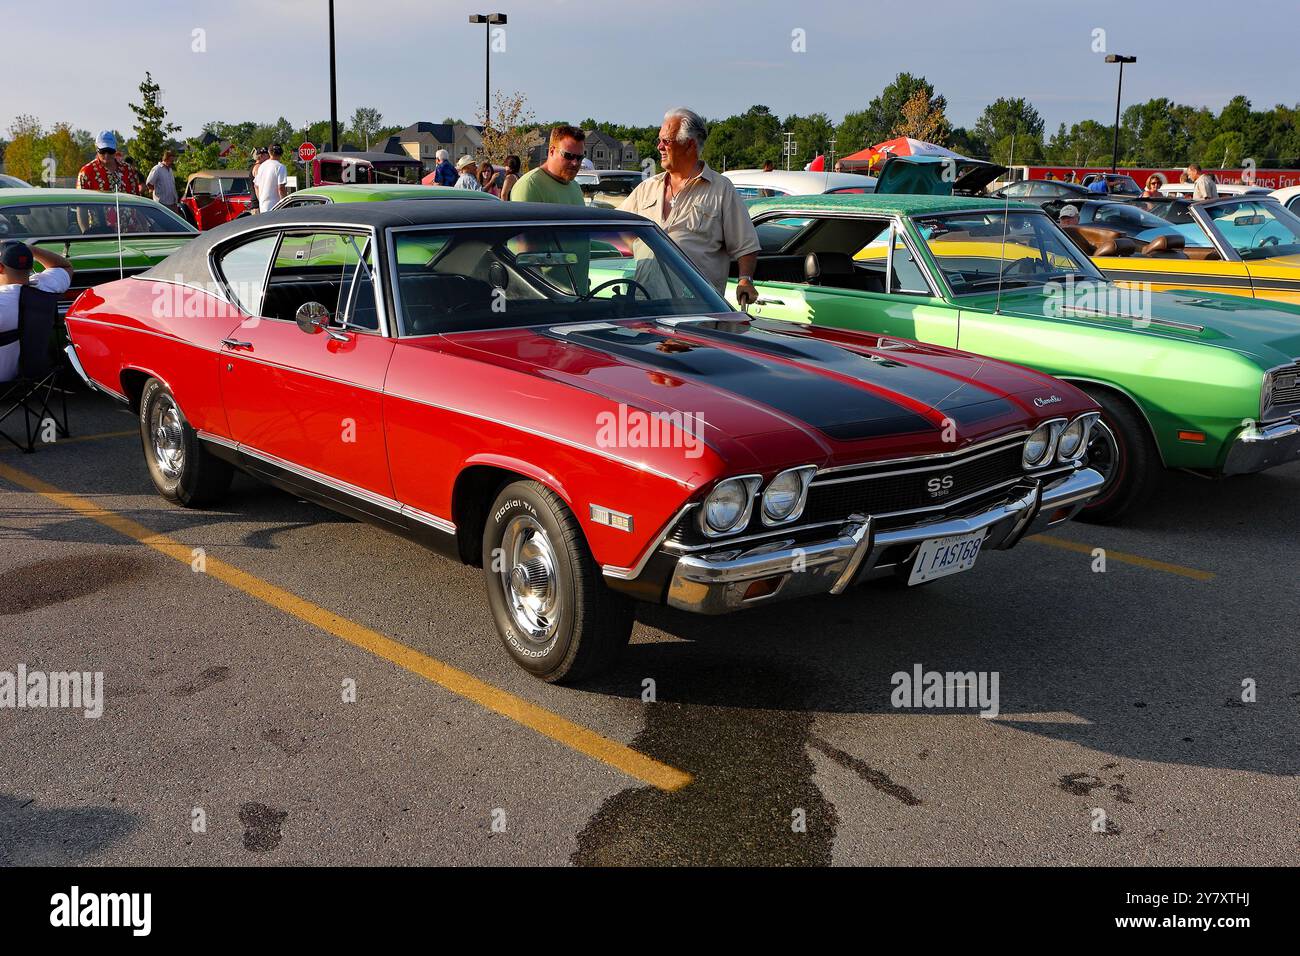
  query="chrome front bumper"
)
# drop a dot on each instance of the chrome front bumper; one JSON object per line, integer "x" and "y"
{"x": 718, "y": 582}
{"x": 1264, "y": 446}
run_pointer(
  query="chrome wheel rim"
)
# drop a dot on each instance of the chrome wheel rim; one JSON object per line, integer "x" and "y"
{"x": 529, "y": 579}
{"x": 167, "y": 436}
{"x": 1103, "y": 453}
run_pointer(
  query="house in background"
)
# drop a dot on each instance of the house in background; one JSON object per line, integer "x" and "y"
{"x": 423, "y": 140}
{"x": 606, "y": 152}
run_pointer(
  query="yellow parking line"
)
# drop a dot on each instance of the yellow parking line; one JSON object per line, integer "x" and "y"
{"x": 574, "y": 736}
{"x": 64, "y": 441}
{"x": 1125, "y": 558}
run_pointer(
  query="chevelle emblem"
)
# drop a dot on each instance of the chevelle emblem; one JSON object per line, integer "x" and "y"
{"x": 1050, "y": 400}
{"x": 938, "y": 487}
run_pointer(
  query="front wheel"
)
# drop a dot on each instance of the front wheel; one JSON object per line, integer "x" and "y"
{"x": 555, "y": 615}
{"x": 1122, "y": 450}
{"x": 182, "y": 470}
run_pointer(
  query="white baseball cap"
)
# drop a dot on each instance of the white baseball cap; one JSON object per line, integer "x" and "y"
{"x": 106, "y": 140}
{"x": 1072, "y": 211}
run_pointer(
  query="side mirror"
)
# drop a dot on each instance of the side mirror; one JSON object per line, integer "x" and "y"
{"x": 312, "y": 317}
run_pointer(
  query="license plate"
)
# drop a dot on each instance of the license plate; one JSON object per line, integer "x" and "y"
{"x": 939, "y": 557}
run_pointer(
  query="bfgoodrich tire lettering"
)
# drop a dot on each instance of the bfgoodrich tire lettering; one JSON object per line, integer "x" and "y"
{"x": 181, "y": 468}
{"x": 553, "y": 611}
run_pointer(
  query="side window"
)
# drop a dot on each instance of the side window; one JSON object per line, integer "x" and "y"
{"x": 244, "y": 270}
{"x": 331, "y": 172}
{"x": 905, "y": 276}
{"x": 775, "y": 234}
{"x": 335, "y": 269}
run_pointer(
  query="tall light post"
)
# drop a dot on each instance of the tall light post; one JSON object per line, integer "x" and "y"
{"x": 488, "y": 20}
{"x": 1121, "y": 60}
{"x": 334, "y": 93}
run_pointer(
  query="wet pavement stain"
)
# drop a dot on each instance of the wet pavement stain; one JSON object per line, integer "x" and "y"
{"x": 29, "y": 587}
{"x": 284, "y": 742}
{"x": 877, "y": 778}
{"x": 213, "y": 675}
{"x": 261, "y": 826}
{"x": 752, "y": 773}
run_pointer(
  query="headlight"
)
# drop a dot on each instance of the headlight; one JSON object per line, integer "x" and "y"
{"x": 785, "y": 496}
{"x": 1070, "y": 445}
{"x": 728, "y": 506}
{"x": 1038, "y": 446}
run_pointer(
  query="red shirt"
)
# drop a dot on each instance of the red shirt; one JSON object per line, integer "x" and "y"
{"x": 95, "y": 175}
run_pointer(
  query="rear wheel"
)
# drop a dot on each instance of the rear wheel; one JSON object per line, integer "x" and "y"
{"x": 555, "y": 615}
{"x": 1122, "y": 450}
{"x": 182, "y": 470}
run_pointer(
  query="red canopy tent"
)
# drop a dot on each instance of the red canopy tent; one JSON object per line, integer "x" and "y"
{"x": 874, "y": 156}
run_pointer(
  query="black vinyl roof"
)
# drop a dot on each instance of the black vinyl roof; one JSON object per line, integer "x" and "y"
{"x": 189, "y": 263}
{"x": 367, "y": 157}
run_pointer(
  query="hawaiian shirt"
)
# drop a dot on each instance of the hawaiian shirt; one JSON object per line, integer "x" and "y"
{"x": 95, "y": 175}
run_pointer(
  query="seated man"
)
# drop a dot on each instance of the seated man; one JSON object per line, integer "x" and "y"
{"x": 16, "y": 259}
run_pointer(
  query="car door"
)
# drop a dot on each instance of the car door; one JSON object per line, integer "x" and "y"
{"x": 1266, "y": 243}
{"x": 901, "y": 301}
{"x": 311, "y": 401}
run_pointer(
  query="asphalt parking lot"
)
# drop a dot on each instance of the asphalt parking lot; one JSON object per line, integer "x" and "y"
{"x": 771, "y": 738}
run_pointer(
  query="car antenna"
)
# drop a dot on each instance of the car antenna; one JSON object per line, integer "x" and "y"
{"x": 117, "y": 208}
{"x": 1006, "y": 214}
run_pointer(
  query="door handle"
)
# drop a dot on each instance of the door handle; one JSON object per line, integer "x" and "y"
{"x": 237, "y": 344}
{"x": 769, "y": 302}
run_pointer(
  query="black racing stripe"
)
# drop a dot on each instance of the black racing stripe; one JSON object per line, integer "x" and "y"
{"x": 1179, "y": 278}
{"x": 838, "y": 409}
{"x": 1281, "y": 285}
{"x": 942, "y": 392}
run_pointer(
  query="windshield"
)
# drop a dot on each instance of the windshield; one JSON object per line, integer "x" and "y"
{"x": 1257, "y": 229}
{"x": 222, "y": 186}
{"x": 974, "y": 250}
{"x": 495, "y": 277}
{"x": 1142, "y": 225}
{"x": 85, "y": 218}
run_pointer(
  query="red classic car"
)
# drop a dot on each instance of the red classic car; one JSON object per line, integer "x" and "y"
{"x": 216, "y": 196}
{"x": 462, "y": 373}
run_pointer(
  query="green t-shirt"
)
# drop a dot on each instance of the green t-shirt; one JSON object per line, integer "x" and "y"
{"x": 537, "y": 185}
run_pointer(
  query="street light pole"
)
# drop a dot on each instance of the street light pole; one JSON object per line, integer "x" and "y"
{"x": 488, "y": 20}
{"x": 334, "y": 93}
{"x": 1121, "y": 60}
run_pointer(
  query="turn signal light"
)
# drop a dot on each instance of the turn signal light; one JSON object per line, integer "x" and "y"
{"x": 1198, "y": 437}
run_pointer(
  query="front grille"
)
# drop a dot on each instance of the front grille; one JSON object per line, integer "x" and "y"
{"x": 877, "y": 489}
{"x": 907, "y": 492}
{"x": 1286, "y": 389}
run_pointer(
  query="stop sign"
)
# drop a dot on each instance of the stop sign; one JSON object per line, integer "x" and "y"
{"x": 306, "y": 153}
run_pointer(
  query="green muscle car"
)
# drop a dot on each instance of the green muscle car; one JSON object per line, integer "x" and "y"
{"x": 106, "y": 235}
{"x": 1189, "y": 380}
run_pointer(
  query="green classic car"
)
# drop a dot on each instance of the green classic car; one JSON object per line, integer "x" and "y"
{"x": 1186, "y": 380}
{"x": 374, "y": 192}
{"x": 106, "y": 235}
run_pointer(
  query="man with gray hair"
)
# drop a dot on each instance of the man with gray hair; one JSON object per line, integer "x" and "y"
{"x": 698, "y": 208}
{"x": 444, "y": 173}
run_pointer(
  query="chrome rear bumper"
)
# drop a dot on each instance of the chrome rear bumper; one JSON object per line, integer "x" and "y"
{"x": 719, "y": 582}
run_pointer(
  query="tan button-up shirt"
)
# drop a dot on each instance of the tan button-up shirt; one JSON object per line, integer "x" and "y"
{"x": 708, "y": 221}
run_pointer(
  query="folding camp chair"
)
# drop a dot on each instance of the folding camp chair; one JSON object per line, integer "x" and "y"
{"x": 35, "y": 389}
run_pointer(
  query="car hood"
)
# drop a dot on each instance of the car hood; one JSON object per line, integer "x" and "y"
{"x": 102, "y": 253}
{"x": 744, "y": 380}
{"x": 1266, "y": 331}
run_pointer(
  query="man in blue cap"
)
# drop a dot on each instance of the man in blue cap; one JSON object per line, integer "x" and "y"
{"x": 16, "y": 260}
{"x": 104, "y": 173}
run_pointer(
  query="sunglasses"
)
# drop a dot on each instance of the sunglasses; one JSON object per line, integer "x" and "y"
{"x": 571, "y": 157}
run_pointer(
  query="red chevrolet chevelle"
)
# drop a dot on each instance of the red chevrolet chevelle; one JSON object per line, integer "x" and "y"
{"x": 506, "y": 384}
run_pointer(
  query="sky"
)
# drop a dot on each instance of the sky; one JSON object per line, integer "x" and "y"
{"x": 626, "y": 61}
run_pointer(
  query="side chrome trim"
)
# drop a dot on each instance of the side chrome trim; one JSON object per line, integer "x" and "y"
{"x": 70, "y": 350}
{"x": 361, "y": 494}
{"x": 632, "y": 573}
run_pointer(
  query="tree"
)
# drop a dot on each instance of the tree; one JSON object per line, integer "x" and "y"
{"x": 922, "y": 121}
{"x": 877, "y": 122}
{"x": 1225, "y": 151}
{"x": 151, "y": 126}
{"x": 508, "y": 131}
{"x": 366, "y": 123}
{"x": 1004, "y": 117}
{"x": 812, "y": 135}
{"x": 196, "y": 157}
{"x": 61, "y": 144}
{"x": 24, "y": 154}
{"x": 744, "y": 141}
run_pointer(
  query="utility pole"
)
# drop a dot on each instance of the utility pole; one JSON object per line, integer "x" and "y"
{"x": 334, "y": 92}
{"x": 488, "y": 20}
{"x": 790, "y": 146}
{"x": 830, "y": 158}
